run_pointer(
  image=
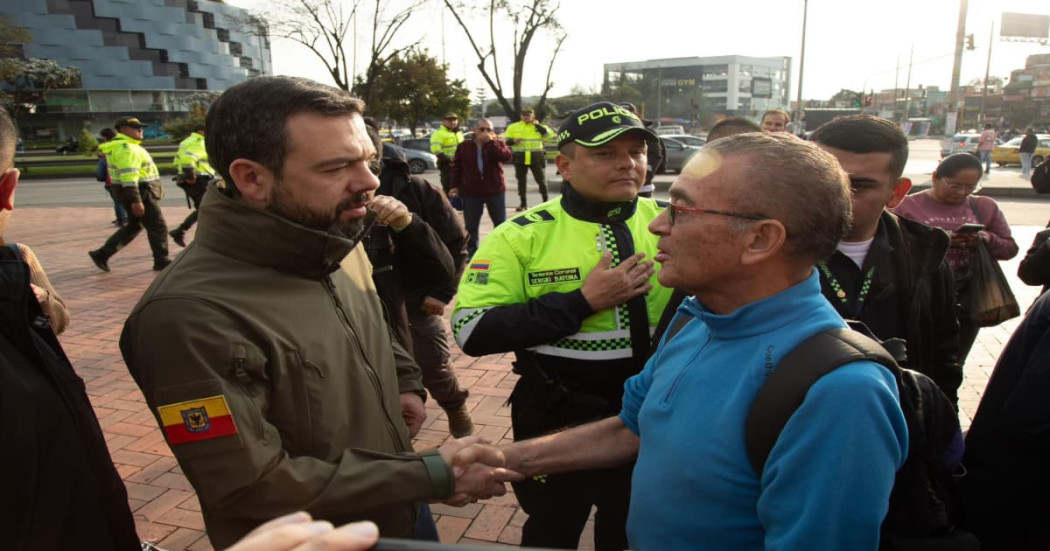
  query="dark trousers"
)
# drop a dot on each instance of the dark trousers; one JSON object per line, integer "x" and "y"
{"x": 472, "y": 209}
{"x": 195, "y": 194}
{"x": 430, "y": 349}
{"x": 538, "y": 168}
{"x": 445, "y": 172}
{"x": 152, "y": 220}
{"x": 559, "y": 505}
{"x": 118, "y": 209}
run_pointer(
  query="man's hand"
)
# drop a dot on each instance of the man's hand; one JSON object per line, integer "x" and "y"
{"x": 606, "y": 287}
{"x": 391, "y": 212}
{"x": 453, "y": 192}
{"x": 138, "y": 210}
{"x": 433, "y": 306}
{"x": 297, "y": 532}
{"x": 478, "y": 470}
{"x": 413, "y": 411}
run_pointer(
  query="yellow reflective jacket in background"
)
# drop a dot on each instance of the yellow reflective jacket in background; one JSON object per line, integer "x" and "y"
{"x": 192, "y": 154}
{"x": 128, "y": 162}
{"x": 528, "y": 139}
{"x": 445, "y": 141}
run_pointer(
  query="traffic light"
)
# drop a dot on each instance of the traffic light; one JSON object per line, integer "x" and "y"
{"x": 969, "y": 42}
{"x": 858, "y": 100}
{"x": 867, "y": 100}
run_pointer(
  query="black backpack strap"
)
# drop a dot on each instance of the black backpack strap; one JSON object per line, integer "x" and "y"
{"x": 677, "y": 325}
{"x": 786, "y": 387}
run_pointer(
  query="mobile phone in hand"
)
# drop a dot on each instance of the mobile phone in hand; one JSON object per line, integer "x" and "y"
{"x": 970, "y": 228}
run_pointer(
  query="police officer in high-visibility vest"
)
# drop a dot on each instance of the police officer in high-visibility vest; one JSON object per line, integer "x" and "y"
{"x": 569, "y": 287}
{"x": 525, "y": 139}
{"x": 443, "y": 143}
{"x": 132, "y": 168}
{"x": 194, "y": 175}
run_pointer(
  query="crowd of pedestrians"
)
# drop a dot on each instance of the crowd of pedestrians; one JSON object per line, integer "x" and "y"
{"x": 672, "y": 357}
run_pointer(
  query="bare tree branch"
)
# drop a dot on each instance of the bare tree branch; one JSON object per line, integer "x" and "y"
{"x": 528, "y": 18}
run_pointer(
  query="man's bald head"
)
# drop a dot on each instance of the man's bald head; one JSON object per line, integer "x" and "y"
{"x": 788, "y": 179}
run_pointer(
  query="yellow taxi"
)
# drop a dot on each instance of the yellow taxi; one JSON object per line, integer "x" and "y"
{"x": 1008, "y": 154}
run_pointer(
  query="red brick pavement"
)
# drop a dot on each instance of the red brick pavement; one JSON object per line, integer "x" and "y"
{"x": 164, "y": 504}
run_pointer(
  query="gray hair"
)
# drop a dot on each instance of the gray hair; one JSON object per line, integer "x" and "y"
{"x": 794, "y": 182}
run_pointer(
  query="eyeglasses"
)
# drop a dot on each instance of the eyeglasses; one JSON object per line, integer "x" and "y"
{"x": 673, "y": 209}
{"x": 484, "y": 130}
{"x": 956, "y": 186}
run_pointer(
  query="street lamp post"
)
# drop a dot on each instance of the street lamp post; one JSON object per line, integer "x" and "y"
{"x": 801, "y": 66}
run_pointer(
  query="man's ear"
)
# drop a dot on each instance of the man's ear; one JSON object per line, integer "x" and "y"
{"x": 763, "y": 240}
{"x": 900, "y": 190}
{"x": 253, "y": 181}
{"x": 8, "y": 183}
{"x": 564, "y": 164}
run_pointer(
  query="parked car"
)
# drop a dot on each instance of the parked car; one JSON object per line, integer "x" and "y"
{"x": 1008, "y": 154}
{"x": 669, "y": 129}
{"x": 418, "y": 144}
{"x": 418, "y": 161}
{"x": 962, "y": 142}
{"x": 678, "y": 153}
{"x": 688, "y": 139}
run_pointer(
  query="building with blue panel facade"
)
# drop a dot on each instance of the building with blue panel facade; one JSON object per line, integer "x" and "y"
{"x": 148, "y": 58}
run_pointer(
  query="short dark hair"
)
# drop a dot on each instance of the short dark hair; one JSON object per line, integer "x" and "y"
{"x": 795, "y": 182}
{"x": 249, "y": 120}
{"x": 108, "y": 133}
{"x": 730, "y": 126}
{"x": 8, "y": 138}
{"x": 866, "y": 134}
{"x": 953, "y": 164}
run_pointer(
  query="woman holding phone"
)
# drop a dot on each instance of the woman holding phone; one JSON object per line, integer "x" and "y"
{"x": 950, "y": 205}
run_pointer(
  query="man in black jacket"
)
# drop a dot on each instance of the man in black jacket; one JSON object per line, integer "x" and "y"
{"x": 60, "y": 489}
{"x": 889, "y": 272}
{"x": 416, "y": 272}
{"x": 1026, "y": 150}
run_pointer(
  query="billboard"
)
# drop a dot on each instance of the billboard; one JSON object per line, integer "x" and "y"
{"x": 761, "y": 87}
{"x": 1025, "y": 26}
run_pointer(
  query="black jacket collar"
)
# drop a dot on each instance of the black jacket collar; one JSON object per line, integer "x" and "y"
{"x": 582, "y": 208}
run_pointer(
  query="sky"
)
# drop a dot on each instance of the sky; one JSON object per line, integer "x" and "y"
{"x": 849, "y": 44}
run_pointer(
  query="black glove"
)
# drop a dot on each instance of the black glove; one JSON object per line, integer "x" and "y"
{"x": 541, "y": 129}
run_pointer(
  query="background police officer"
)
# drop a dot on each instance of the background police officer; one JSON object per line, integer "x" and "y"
{"x": 195, "y": 173}
{"x": 525, "y": 139}
{"x": 132, "y": 167}
{"x": 443, "y": 143}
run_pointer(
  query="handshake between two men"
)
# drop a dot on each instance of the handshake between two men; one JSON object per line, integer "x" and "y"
{"x": 480, "y": 470}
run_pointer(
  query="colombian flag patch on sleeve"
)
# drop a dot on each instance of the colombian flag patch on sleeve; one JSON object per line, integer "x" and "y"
{"x": 196, "y": 420}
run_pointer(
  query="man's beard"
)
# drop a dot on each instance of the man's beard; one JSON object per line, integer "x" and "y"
{"x": 327, "y": 221}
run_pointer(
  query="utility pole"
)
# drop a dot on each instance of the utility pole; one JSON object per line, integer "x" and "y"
{"x": 896, "y": 89}
{"x": 952, "y": 111}
{"x": 801, "y": 67}
{"x": 907, "y": 86}
{"x": 987, "y": 69}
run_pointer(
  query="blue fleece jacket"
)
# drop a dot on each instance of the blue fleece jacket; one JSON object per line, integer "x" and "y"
{"x": 827, "y": 481}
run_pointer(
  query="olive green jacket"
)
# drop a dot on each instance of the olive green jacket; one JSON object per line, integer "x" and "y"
{"x": 256, "y": 318}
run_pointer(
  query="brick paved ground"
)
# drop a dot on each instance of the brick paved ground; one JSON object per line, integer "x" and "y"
{"x": 166, "y": 509}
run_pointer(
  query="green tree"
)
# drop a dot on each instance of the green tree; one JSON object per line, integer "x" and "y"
{"x": 179, "y": 128}
{"x": 528, "y": 18}
{"x": 86, "y": 143}
{"x": 413, "y": 88}
{"x": 845, "y": 95}
{"x": 28, "y": 80}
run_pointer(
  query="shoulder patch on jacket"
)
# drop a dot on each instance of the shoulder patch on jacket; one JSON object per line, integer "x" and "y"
{"x": 196, "y": 420}
{"x": 533, "y": 218}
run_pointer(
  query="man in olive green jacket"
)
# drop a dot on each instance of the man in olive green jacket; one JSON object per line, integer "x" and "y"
{"x": 263, "y": 352}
